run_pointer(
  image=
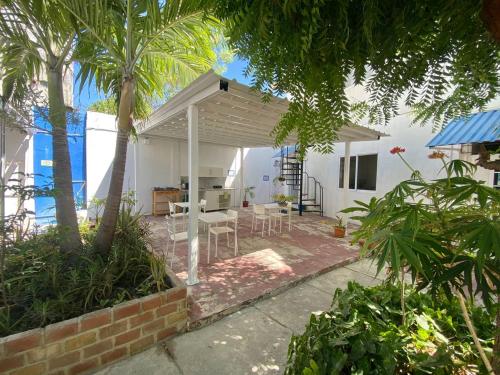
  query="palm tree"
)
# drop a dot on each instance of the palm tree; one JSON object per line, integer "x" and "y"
{"x": 37, "y": 37}
{"x": 133, "y": 49}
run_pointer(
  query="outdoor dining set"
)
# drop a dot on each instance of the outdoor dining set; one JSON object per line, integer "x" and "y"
{"x": 217, "y": 223}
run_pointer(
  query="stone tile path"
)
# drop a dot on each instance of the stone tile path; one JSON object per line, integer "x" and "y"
{"x": 251, "y": 341}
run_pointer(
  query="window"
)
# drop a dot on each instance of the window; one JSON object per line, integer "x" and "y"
{"x": 496, "y": 180}
{"x": 352, "y": 173}
{"x": 362, "y": 172}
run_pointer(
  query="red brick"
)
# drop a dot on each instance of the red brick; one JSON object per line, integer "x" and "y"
{"x": 84, "y": 366}
{"x": 61, "y": 330}
{"x": 64, "y": 360}
{"x": 113, "y": 329}
{"x": 151, "y": 302}
{"x": 141, "y": 319}
{"x": 141, "y": 344}
{"x": 164, "y": 333}
{"x": 54, "y": 350}
{"x": 23, "y": 341}
{"x": 127, "y": 337}
{"x": 177, "y": 295}
{"x": 113, "y": 355}
{"x": 98, "y": 348}
{"x": 176, "y": 317}
{"x": 36, "y": 369}
{"x": 36, "y": 354}
{"x": 97, "y": 319}
{"x": 80, "y": 341}
{"x": 164, "y": 298}
{"x": 127, "y": 309}
{"x": 154, "y": 326}
{"x": 166, "y": 309}
{"x": 9, "y": 363}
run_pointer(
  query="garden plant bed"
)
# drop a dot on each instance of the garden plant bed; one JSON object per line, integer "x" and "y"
{"x": 99, "y": 338}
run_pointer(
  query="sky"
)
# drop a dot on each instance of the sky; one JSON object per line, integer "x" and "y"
{"x": 90, "y": 94}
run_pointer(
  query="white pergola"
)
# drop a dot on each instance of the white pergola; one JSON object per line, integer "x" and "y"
{"x": 213, "y": 109}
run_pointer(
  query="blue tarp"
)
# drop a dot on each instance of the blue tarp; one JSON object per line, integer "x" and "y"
{"x": 477, "y": 128}
{"x": 43, "y": 163}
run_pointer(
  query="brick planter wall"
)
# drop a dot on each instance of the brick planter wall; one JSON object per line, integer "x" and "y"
{"x": 93, "y": 340}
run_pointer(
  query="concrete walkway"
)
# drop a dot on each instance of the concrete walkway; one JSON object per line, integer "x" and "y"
{"x": 251, "y": 341}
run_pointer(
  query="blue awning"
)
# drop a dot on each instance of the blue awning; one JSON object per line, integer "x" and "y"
{"x": 477, "y": 128}
{"x": 283, "y": 151}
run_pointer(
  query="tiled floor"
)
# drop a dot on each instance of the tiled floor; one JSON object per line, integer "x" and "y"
{"x": 264, "y": 266}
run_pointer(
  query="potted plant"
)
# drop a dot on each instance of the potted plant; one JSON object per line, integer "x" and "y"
{"x": 283, "y": 199}
{"x": 339, "y": 228}
{"x": 249, "y": 190}
{"x": 279, "y": 180}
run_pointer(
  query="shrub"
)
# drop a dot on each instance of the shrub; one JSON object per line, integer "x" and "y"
{"x": 43, "y": 287}
{"x": 363, "y": 334}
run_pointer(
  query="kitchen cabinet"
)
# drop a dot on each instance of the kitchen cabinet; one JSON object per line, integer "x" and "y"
{"x": 218, "y": 199}
{"x": 207, "y": 172}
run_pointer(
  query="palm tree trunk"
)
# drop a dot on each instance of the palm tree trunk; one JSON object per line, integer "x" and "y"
{"x": 107, "y": 226}
{"x": 67, "y": 223}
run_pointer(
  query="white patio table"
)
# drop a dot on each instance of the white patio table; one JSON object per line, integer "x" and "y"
{"x": 210, "y": 218}
{"x": 184, "y": 205}
{"x": 271, "y": 207}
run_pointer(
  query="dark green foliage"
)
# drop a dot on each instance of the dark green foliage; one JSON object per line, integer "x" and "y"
{"x": 42, "y": 288}
{"x": 446, "y": 232}
{"x": 434, "y": 55}
{"x": 363, "y": 334}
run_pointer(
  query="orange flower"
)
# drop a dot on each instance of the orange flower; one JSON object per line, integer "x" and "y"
{"x": 437, "y": 155}
{"x": 397, "y": 150}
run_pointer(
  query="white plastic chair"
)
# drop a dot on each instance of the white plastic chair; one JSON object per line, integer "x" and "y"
{"x": 203, "y": 208}
{"x": 173, "y": 213}
{"x": 259, "y": 213}
{"x": 280, "y": 215}
{"x": 232, "y": 218}
{"x": 203, "y": 205}
{"x": 174, "y": 236}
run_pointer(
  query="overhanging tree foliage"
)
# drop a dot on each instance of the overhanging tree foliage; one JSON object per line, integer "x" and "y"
{"x": 441, "y": 57}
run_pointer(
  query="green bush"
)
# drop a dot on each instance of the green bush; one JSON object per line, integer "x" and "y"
{"x": 363, "y": 334}
{"x": 42, "y": 286}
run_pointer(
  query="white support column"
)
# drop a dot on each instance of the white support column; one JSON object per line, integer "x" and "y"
{"x": 347, "y": 167}
{"x": 242, "y": 180}
{"x": 193, "y": 167}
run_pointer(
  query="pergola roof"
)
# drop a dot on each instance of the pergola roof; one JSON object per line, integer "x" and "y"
{"x": 230, "y": 113}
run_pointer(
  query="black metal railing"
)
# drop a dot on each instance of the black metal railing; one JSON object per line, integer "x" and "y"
{"x": 310, "y": 192}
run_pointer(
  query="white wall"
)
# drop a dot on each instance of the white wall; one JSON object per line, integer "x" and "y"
{"x": 100, "y": 150}
{"x": 258, "y": 163}
{"x": 160, "y": 161}
{"x": 17, "y": 144}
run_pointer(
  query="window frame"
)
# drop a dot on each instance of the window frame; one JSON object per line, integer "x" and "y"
{"x": 356, "y": 172}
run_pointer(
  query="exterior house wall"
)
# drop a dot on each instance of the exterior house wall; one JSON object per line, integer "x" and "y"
{"x": 19, "y": 141}
{"x": 100, "y": 152}
{"x": 259, "y": 163}
{"x": 390, "y": 168}
{"x": 160, "y": 161}
{"x": 16, "y": 147}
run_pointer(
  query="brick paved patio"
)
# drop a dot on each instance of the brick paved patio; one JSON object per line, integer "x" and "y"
{"x": 263, "y": 267}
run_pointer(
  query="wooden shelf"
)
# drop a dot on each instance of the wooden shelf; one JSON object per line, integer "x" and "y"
{"x": 161, "y": 198}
